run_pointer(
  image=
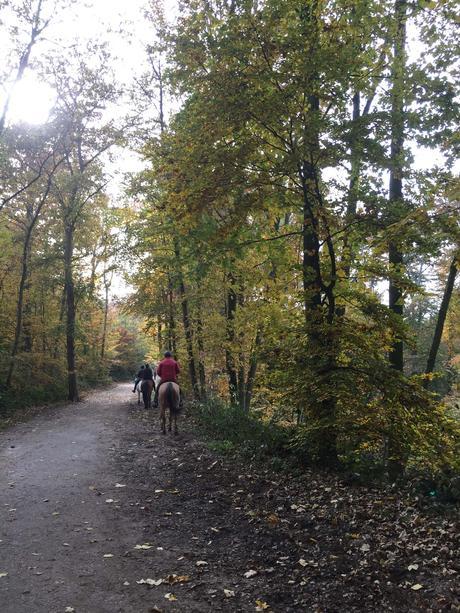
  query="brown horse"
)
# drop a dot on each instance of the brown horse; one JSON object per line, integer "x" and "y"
{"x": 168, "y": 398}
{"x": 146, "y": 389}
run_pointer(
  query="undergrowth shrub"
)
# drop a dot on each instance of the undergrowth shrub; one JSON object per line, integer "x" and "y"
{"x": 230, "y": 428}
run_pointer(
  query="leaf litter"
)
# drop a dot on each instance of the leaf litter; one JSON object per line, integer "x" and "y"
{"x": 314, "y": 542}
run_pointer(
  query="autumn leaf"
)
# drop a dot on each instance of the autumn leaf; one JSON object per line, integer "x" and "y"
{"x": 172, "y": 579}
{"x": 250, "y": 573}
{"x": 261, "y": 605}
{"x": 303, "y": 562}
{"x": 150, "y": 582}
{"x": 170, "y": 597}
{"x": 273, "y": 519}
{"x": 229, "y": 593}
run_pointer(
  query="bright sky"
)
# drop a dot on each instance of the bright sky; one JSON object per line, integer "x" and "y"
{"x": 119, "y": 22}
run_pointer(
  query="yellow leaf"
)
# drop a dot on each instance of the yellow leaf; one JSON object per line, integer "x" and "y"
{"x": 273, "y": 519}
{"x": 171, "y": 579}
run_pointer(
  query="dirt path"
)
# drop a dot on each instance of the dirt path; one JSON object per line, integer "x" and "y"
{"x": 93, "y": 500}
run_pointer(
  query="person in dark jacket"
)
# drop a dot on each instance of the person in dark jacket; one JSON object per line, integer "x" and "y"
{"x": 147, "y": 373}
{"x": 138, "y": 378}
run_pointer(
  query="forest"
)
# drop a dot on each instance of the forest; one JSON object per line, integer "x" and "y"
{"x": 289, "y": 230}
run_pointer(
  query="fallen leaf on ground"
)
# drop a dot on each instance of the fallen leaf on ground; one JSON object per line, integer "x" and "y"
{"x": 261, "y": 605}
{"x": 109, "y": 500}
{"x": 69, "y": 610}
{"x": 201, "y": 563}
{"x": 144, "y": 546}
{"x": 250, "y": 573}
{"x": 3, "y": 575}
{"x": 170, "y": 597}
{"x": 229, "y": 593}
{"x": 120, "y": 485}
{"x": 108, "y": 555}
{"x": 416, "y": 587}
{"x": 412, "y": 567}
{"x": 273, "y": 519}
{"x": 303, "y": 562}
{"x": 171, "y": 579}
{"x": 150, "y": 582}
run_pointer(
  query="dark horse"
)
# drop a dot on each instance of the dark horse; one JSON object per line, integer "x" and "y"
{"x": 146, "y": 389}
{"x": 168, "y": 398}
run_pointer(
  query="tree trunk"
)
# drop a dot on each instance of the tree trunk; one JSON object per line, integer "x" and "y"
{"x": 32, "y": 216}
{"x": 230, "y": 310}
{"x": 70, "y": 312}
{"x": 397, "y": 454}
{"x": 252, "y": 371}
{"x": 395, "y": 256}
{"x": 19, "y": 306}
{"x": 187, "y": 325}
{"x": 314, "y": 315}
{"x": 106, "y": 314}
{"x": 172, "y": 341}
{"x": 353, "y": 188}
{"x": 449, "y": 288}
{"x": 160, "y": 336}
{"x": 201, "y": 354}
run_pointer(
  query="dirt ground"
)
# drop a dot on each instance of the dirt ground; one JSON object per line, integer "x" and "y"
{"x": 101, "y": 513}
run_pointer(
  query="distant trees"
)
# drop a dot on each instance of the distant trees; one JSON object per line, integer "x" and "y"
{"x": 56, "y": 220}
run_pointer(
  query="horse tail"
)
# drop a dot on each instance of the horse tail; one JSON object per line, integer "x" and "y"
{"x": 173, "y": 402}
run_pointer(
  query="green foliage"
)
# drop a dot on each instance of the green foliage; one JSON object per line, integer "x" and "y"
{"x": 230, "y": 428}
{"x": 266, "y": 216}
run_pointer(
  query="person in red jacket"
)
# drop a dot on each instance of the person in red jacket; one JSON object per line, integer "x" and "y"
{"x": 167, "y": 370}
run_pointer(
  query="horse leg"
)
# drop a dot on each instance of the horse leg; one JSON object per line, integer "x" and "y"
{"x": 170, "y": 420}
{"x": 163, "y": 420}
{"x": 176, "y": 431}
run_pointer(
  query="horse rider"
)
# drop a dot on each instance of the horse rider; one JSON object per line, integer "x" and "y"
{"x": 147, "y": 374}
{"x": 138, "y": 378}
{"x": 167, "y": 370}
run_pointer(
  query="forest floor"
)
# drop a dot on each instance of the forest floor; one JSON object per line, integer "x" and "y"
{"x": 101, "y": 513}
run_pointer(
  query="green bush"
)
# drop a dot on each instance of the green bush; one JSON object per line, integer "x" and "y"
{"x": 230, "y": 427}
